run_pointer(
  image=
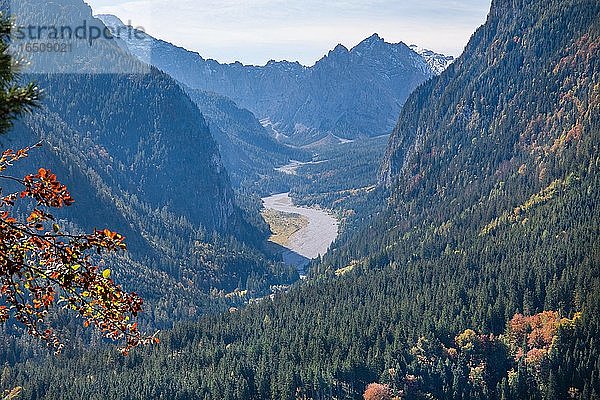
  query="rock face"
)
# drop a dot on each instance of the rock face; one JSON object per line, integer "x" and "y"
{"x": 348, "y": 93}
{"x": 438, "y": 62}
{"x": 353, "y": 93}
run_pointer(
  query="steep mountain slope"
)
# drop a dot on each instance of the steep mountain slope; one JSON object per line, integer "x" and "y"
{"x": 139, "y": 157}
{"x": 493, "y": 181}
{"x": 348, "y": 93}
{"x": 247, "y": 148}
{"x": 509, "y": 130}
{"x": 528, "y": 125}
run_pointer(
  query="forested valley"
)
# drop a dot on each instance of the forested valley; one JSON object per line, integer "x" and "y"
{"x": 467, "y": 267}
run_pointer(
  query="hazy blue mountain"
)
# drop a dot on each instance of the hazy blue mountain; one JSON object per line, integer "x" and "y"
{"x": 348, "y": 93}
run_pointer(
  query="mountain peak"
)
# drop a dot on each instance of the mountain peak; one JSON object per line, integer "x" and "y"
{"x": 340, "y": 48}
{"x": 373, "y": 39}
{"x": 374, "y": 42}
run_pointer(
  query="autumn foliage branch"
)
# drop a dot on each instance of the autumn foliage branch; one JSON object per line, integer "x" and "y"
{"x": 42, "y": 267}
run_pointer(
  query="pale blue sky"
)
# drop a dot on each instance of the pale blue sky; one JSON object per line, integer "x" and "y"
{"x": 255, "y": 31}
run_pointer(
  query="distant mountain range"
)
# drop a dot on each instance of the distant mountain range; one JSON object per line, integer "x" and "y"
{"x": 348, "y": 93}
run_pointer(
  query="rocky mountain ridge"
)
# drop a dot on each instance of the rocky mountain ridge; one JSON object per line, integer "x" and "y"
{"x": 349, "y": 93}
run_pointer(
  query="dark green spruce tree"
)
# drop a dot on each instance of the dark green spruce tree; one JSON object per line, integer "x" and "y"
{"x": 15, "y": 99}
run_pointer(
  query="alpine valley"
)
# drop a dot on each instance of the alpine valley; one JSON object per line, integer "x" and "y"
{"x": 467, "y": 264}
